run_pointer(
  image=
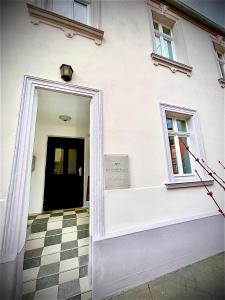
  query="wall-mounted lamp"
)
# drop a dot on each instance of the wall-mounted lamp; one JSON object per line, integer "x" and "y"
{"x": 66, "y": 72}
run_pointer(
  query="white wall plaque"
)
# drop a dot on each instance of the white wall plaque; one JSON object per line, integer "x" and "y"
{"x": 116, "y": 171}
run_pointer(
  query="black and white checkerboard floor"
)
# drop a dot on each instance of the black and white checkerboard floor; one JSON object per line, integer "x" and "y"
{"x": 56, "y": 256}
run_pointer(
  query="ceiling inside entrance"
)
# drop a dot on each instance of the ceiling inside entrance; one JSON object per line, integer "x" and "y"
{"x": 52, "y": 104}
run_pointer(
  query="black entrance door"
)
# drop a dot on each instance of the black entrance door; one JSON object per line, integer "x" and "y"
{"x": 64, "y": 173}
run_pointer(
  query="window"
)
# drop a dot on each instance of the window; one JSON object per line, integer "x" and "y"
{"x": 178, "y": 135}
{"x": 73, "y": 17}
{"x": 221, "y": 61}
{"x": 168, "y": 40}
{"x": 164, "y": 44}
{"x": 78, "y": 10}
{"x": 181, "y": 126}
{"x": 219, "y": 47}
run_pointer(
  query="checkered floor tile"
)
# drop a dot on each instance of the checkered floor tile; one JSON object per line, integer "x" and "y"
{"x": 56, "y": 256}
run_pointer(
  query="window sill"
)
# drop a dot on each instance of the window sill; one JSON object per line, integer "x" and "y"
{"x": 70, "y": 27}
{"x": 222, "y": 82}
{"x": 175, "y": 185}
{"x": 173, "y": 65}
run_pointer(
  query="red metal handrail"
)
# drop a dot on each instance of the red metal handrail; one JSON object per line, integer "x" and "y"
{"x": 210, "y": 173}
{"x": 199, "y": 162}
{"x": 210, "y": 194}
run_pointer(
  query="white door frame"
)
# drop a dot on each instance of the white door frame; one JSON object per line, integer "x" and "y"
{"x": 14, "y": 233}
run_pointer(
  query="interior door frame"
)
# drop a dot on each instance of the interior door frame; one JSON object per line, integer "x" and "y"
{"x": 14, "y": 233}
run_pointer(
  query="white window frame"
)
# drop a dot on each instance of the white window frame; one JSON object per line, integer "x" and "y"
{"x": 162, "y": 36}
{"x": 195, "y": 143}
{"x": 176, "y": 134}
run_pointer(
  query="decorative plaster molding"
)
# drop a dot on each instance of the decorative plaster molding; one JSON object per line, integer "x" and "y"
{"x": 218, "y": 40}
{"x": 173, "y": 65}
{"x": 222, "y": 82}
{"x": 69, "y": 26}
{"x": 175, "y": 185}
{"x": 17, "y": 203}
{"x": 163, "y": 8}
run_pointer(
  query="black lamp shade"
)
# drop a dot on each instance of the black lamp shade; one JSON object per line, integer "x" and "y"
{"x": 66, "y": 72}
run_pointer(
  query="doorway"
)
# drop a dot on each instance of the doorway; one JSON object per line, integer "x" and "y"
{"x": 14, "y": 234}
{"x": 64, "y": 173}
{"x": 57, "y": 243}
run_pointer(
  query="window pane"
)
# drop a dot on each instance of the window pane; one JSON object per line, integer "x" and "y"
{"x": 168, "y": 49}
{"x": 219, "y": 55}
{"x": 185, "y": 156}
{"x": 72, "y": 161}
{"x": 169, "y": 123}
{"x": 80, "y": 12}
{"x": 158, "y": 45}
{"x": 173, "y": 155}
{"x": 156, "y": 25}
{"x": 222, "y": 69}
{"x": 181, "y": 125}
{"x": 59, "y": 157}
{"x": 166, "y": 30}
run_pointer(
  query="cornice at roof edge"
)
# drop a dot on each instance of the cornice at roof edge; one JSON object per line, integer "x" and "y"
{"x": 195, "y": 15}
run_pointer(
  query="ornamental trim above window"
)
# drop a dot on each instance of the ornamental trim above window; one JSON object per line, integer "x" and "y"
{"x": 69, "y": 26}
{"x": 173, "y": 65}
{"x": 181, "y": 167}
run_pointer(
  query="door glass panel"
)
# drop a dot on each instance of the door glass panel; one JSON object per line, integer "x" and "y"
{"x": 185, "y": 156}
{"x": 72, "y": 161}
{"x": 173, "y": 155}
{"x": 59, "y": 157}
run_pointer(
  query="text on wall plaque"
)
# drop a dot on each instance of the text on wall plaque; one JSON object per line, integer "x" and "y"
{"x": 116, "y": 171}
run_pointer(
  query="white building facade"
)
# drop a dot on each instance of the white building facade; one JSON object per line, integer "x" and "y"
{"x": 154, "y": 74}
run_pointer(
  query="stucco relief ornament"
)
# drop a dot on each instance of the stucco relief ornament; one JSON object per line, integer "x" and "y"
{"x": 219, "y": 38}
{"x": 35, "y": 21}
{"x": 173, "y": 70}
{"x": 69, "y": 33}
{"x": 163, "y": 9}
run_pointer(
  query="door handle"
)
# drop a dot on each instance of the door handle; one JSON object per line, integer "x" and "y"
{"x": 80, "y": 171}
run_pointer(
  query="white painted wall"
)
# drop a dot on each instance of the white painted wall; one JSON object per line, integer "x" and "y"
{"x": 43, "y": 131}
{"x": 129, "y": 260}
{"x": 132, "y": 90}
{"x": 2, "y": 219}
{"x": 150, "y": 206}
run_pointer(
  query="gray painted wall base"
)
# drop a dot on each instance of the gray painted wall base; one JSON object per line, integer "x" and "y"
{"x": 11, "y": 278}
{"x": 130, "y": 260}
